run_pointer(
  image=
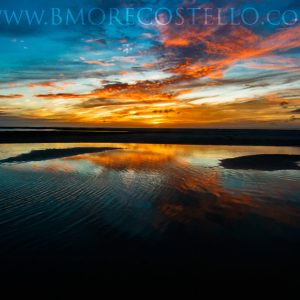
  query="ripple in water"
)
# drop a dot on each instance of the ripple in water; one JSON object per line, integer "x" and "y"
{"x": 147, "y": 204}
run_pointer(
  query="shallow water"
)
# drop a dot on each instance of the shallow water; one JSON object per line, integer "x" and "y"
{"x": 168, "y": 209}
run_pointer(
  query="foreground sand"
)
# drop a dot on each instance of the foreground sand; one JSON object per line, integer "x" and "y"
{"x": 263, "y": 162}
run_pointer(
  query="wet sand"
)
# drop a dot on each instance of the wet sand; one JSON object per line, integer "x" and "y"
{"x": 40, "y": 155}
{"x": 263, "y": 162}
{"x": 154, "y": 136}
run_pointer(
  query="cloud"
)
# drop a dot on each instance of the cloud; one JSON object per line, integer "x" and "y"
{"x": 49, "y": 84}
{"x": 142, "y": 104}
{"x": 258, "y": 62}
{"x": 98, "y": 41}
{"x": 98, "y": 62}
{"x": 125, "y": 59}
{"x": 12, "y": 96}
{"x": 140, "y": 91}
{"x": 103, "y": 102}
{"x": 163, "y": 111}
{"x": 197, "y": 51}
{"x": 60, "y": 96}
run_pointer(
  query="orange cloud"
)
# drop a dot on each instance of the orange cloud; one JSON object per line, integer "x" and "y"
{"x": 13, "y": 96}
{"x": 214, "y": 48}
{"x": 147, "y": 66}
{"x": 182, "y": 36}
{"x": 143, "y": 91}
{"x": 50, "y": 84}
{"x": 98, "y": 62}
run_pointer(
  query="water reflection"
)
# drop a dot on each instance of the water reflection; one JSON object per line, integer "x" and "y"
{"x": 144, "y": 191}
{"x": 188, "y": 182}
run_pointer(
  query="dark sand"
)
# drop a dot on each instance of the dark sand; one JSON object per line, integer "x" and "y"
{"x": 155, "y": 136}
{"x": 263, "y": 162}
{"x": 40, "y": 155}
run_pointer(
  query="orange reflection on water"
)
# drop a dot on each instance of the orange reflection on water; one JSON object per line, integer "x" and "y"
{"x": 199, "y": 192}
{"x": 128, "y": 160}
{"x": 192, "y": 186}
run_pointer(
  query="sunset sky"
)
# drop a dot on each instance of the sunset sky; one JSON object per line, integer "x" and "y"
{"x": 190, "y": 74}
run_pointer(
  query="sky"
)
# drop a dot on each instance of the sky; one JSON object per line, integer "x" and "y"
{"x": 150, "y": 63}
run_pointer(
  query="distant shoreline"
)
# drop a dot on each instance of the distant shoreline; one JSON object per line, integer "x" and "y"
{"x": 250, "y": 137}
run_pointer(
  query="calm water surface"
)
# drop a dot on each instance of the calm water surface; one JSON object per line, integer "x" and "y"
{"x": 149, "y": 209}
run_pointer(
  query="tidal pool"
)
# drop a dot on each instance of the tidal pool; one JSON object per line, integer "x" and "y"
{"x": 147, "y": 209}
